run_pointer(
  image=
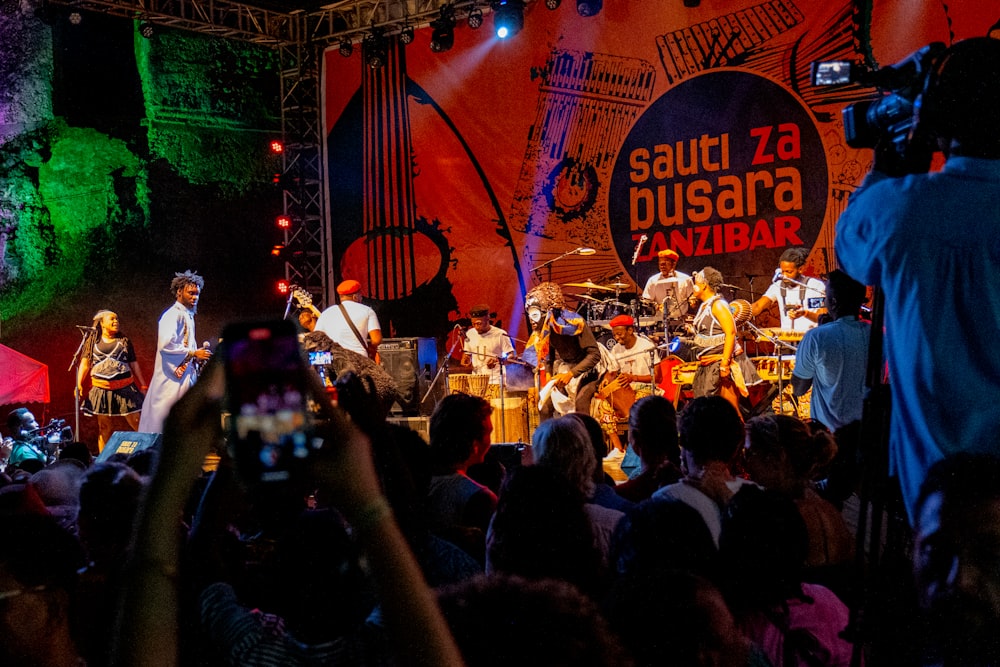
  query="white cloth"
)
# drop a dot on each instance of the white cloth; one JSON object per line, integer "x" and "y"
{"x": 175, "y": 338}
{"x": 482, "y": 347}
{"x": 796, "y": 295}
{"x": 331, "y": 322}
{"x": 659, "y": 287}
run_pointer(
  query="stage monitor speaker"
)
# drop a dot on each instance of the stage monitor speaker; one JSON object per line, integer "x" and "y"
{"x": 412, "y": 363}
{"x": 127, "y": 442}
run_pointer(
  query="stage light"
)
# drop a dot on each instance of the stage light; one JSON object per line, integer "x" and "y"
{"x": 284, "y": 221}
{"x": 346, "y": 48}
{"x": 146, "y": 29}
{"x": 277, "y": 146}
{"x": 282, "y": 287}
{"x": 443, "y": 30}
{"x": 277, "y": 249}
{"x": 553, "y": 4}
{"x": 588, "y": 7}
{"x": 76, "y": 18}
{"x": 374, "y": 48}
{"x": 508, "y": 17}
{"x": 475, "y": 18}
{"x": 406, "y": 35}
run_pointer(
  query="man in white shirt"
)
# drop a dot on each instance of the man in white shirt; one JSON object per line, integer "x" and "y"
{"x": 800, "y": 299}
{"x": 333, "y": 323}
{"x": 670, "y": 289}
{"x": 485, "y": 345}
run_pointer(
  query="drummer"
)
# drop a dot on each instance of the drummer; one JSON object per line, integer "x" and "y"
{"x": 486, "y": 346}
{"x": 671, "y": 290}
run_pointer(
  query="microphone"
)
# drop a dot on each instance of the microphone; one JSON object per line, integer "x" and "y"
{"x": 777, "y": 276}
{"x": 584, "y": 251}
{"x": 638, "y": 247}
{"x": 83, "y": 328}
{"x": 460, "y": 330}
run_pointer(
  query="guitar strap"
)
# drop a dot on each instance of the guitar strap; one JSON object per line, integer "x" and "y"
{"x": 350, "y": 323}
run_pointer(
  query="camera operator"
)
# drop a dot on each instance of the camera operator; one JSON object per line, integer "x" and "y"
{"x": 23, "y": 429}
{"x": 928, "y": 240}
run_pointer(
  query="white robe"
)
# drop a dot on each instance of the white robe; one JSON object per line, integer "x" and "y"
{"x": 165, "y": 388}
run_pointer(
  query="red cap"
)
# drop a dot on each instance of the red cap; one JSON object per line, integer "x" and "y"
{"x": 348, "y": 287}
{"x": 621, "y": 321}
{"x": 672, "y": 254}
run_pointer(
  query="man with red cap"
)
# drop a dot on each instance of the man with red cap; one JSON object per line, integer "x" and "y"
{"x": 670, "y": 289}
{"x": 350, "y": 323}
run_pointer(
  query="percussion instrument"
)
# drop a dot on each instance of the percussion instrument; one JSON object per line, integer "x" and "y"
{"x": 741, "y": 310}
{"x": 478, "y": 384}
{"x": 515, "y": 417}
{"x": 785, "y": 335}
{"x": 683, "y": 374}
{"x": 616, "y": 286}
{"x": 767, "y": 368}
{"x": 458, "y": 383}
{"x": 589, "y": 285}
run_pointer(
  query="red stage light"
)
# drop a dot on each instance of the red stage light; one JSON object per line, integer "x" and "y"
{"x": 277, "y": 250}
{"x": 282, "y": 287}
{"x": 284, "y": 221}
{"x": 277, "y": 146}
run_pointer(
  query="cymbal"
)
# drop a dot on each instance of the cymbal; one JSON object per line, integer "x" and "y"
{"x": 616, "y": 286}
{"x": 588, "y": 285}
{"x": 583, "y": 296}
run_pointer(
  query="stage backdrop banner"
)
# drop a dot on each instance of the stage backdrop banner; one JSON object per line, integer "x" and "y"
{"x": 22, "y": 379}
{"x": 466, "y": 176}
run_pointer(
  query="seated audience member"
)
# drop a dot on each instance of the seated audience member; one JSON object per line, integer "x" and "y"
{"x": 147, "y": 627}
{"x": 956, "y": 561}
{"x": 604, "y": 487}
{"x": 674, "y": 617}
{"x": 659, "y": 535}
{"x": 458, "y": 508}
{"x": 541, "y": 531}
{"x": 562, "y": 444}
{"x": 499, "y": 621}
{"x": 38, "y": 580}
{"x": 652, "y": 433}
{"x": 762, "y": 549}
{"x": 782, "y": 454}
{"x": 711, "y": 433}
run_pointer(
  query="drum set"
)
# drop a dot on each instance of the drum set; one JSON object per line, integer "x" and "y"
{"x": 598, "y": 306}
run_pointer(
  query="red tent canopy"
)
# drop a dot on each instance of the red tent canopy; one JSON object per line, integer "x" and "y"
{"x": 22, "y": 379}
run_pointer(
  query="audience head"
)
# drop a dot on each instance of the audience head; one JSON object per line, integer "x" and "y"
{"x": 109, "y": 499}
{"x": 762, "y": 548}
{"x": 460, "y": 430}
{"x": 782, "y": 453}
{"x": 77, "y": 451}
{"x": 499, "y": 621}
{"x": 541, "y": 530}
{"x": 595, "y": 435}
{"x": 18, "y": 420}
{"x": 710, "y": 430}
{"x": 563, "y": 445}
{"x": 844, "y": 294}
{"x": 652, "y": 428}
{"x": 659, "y": 535}
{"x": 59, "y": 488}
{"x": 38, "y": 577}
{"x": 956, "y": 558}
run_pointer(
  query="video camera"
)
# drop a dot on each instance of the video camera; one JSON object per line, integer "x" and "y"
{"x": 889, "y": 116}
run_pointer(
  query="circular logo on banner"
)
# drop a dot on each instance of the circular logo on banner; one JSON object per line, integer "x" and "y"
{"x": 727, "y": 168}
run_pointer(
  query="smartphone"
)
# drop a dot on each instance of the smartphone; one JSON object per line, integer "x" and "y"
{"x": 270, "y": 425}
{"x": 815, "y": 302}
{"x": 833, "y": 72}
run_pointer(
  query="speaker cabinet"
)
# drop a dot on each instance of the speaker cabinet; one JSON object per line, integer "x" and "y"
{"x": 127, "y": 442}
{"x": 412, "y": 363}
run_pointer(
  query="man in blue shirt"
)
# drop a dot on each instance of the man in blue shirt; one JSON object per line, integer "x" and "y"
{"x": 930, "y": 242}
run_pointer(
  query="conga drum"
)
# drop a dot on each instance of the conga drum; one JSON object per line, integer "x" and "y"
{"x": 478, "y": 384}
{"x": 458, "y": 383}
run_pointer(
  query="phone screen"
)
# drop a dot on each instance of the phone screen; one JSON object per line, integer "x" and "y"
{"x": 267, "y": 400}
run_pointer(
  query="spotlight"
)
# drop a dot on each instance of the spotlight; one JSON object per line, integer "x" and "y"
{"x": 508, "y": 17}
{"x": 553, "y": 4}
{"x": 475, "y": 18}
{"x": 75, "y": 18}
{"x": 282, "y": 286}
{"x": 588, "y": 7}
{"x": 146, "y": 29}
{"x": 406, "y": 35}
{"x": 346, "y": 48}
{"x": 375, "y": 48}
{"x": 443, "y": 30}
{"x": 284, "y": 221}
{"x": 277, "y": 146}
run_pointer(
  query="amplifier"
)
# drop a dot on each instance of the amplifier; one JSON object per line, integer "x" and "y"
{"x": 412, "y": 363}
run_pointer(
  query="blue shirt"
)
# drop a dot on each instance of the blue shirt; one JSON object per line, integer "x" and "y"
{"x": 834, "y": 356}
{"x": 932, "y": 243}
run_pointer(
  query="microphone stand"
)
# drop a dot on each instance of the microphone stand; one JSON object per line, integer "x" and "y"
{"x": 86, "y": 332}
{"x": 443, "y": 369}
{"x": 549, "y": 263}
{"x": 779, "y": 346}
